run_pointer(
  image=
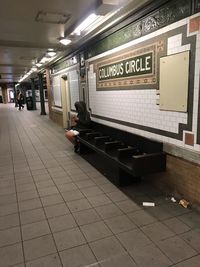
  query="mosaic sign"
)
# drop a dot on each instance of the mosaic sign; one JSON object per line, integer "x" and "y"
{"x": 135, "y": 67}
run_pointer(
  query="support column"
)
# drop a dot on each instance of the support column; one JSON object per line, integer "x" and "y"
{"x": 33, "y": 93}
{"x": 40, "y": 77}
{"x": 4, "y": 93}
{"x": 15, "y": 94}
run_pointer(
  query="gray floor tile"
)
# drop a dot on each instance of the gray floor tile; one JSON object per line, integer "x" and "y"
{"x": 134, "y": 238}
{"x": 193, "y": 262}
{"x": 67, "y": 187}
{"x": 44, "y": 184}
{"x": 176, "y": 225}
{"x": 39, "y": 247}
{"x": 175, "y": 209}
{"x": 52, "y": 200}
{"x": 69, "y": 239}
{"x": 78, "y": 177}
{"x": 108, "y": 187}
{"x": 118, "y": 261}
{"x": 120, "y": 224}
{"x": 150, "y": 255}
{"x": 142, "y": 217}
{"x": 8, "y": 199}
{"x": 160, "y": 212}
{"x": 176, "y": 249}
{"x": 62, "y": 180}
{"x": 108, "y": 211}
{"x": 192, "y": 219}
{"x": 41, "y": 177}
{"x": 78, "y": 205}
{"x": 26, "y": 187}
{"x": 30, "y": 204}
{"x": 99, "y": 200}
{"x": 117, "y": 196}
{"x": 8, "y": 190}
{"x": 56, "y": 210}
{"x": 128, "y": 206}
{"x": 78, "y": 256}
{"x": 32, "y": 216}
{"x": 95, "y": 231}
{"x": 47, "y": 261}
{"x": 86, "y": 217}
{"x": 10, "y": 236}
{"x": 39, "y": 172}
{"x": 22, "y": 196}
{"x": 11, "y": 255}
{"x": 19, "y": 265}
{"x": 35, "y": 229}
{"x": 75, "y": 171}
{"x": 9, "y": 221}
{"x": 52, "y": 190}
{"x": 62, "y": 223}
{"x": 192, "y": 238}
{"x": 91, "y": 191}
{"x": 72, "y": 195}
{"x": 85, "y": 183}
{"x": 106, "y": 248}
{"x": 157, "y": 231}
{"x": 24, "y": 180}
{"x": 100, "y": 180}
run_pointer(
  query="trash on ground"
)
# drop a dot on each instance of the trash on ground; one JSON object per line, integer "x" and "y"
{"x": 173, "y": 199}
{"x": 148, "y": 204}
{"x": 184, "y": 203}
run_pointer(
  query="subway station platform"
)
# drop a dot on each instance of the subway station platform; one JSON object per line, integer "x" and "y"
{"x": 57, "y": 210}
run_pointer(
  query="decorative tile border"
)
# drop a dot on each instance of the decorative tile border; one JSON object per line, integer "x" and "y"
{"x": 122, "y": 61}
{"x": 169, "y": 13}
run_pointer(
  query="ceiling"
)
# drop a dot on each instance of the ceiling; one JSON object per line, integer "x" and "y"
{"x": 28, "y": 28}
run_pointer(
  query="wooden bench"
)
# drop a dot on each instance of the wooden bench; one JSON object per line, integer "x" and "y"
{"x": 127, "y": 156}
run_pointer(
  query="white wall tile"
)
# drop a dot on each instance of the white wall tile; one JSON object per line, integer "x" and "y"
{"x": 139, "y": 106}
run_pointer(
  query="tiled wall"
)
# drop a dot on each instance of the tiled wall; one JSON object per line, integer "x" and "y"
{"x": 136, "y": 110}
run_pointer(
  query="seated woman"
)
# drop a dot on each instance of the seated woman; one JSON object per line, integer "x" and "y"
{"x": 82, "y": 120}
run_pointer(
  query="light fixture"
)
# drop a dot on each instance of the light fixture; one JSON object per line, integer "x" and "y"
{"x": 33, "y": 69}
{"x": 65, "y": 41}
{"x": 38, "y": 64}
{"x": 51, "y": 53}
{"x": 45, "y": 59}
{"x": 88, "y": 21}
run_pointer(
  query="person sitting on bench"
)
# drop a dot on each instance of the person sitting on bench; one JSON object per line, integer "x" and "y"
{"x": 82, "y": 120}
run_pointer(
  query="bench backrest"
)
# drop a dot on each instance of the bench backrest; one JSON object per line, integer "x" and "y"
{"x": 144, "y": 144}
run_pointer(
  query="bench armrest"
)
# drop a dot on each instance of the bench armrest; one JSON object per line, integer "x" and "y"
{"x": 90, "y": 136}
{"x": 149, "y": 163}
{"x": 82, "y": 132}
{"x": 111, "y": 145}
{"x": 101, "y": 140}
{"x": 124, "y": 153}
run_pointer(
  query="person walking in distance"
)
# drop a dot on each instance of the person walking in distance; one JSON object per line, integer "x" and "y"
{"x": 20, "y": 100}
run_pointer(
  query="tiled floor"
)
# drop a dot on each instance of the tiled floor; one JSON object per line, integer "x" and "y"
{"x": 57, "y": 210}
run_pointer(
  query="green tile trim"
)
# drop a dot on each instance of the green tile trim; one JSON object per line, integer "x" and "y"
{"x": 170, "y": 13}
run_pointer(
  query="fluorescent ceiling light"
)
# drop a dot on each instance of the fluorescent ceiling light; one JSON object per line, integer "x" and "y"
{"x": 38, "y": 64}
{"x": 51, "y": 53}
{"x": 65, "y": 41}
{"x": 33, "y": 69}
{"x": 44, "y": 60}
{"x": 88, "y": 21}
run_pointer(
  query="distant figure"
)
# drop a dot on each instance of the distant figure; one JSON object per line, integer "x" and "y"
{"x": 20, "y": 100}
{"x": 82, "y": 120}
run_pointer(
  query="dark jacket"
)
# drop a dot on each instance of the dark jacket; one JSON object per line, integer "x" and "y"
{"x": 84, "y": 120}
